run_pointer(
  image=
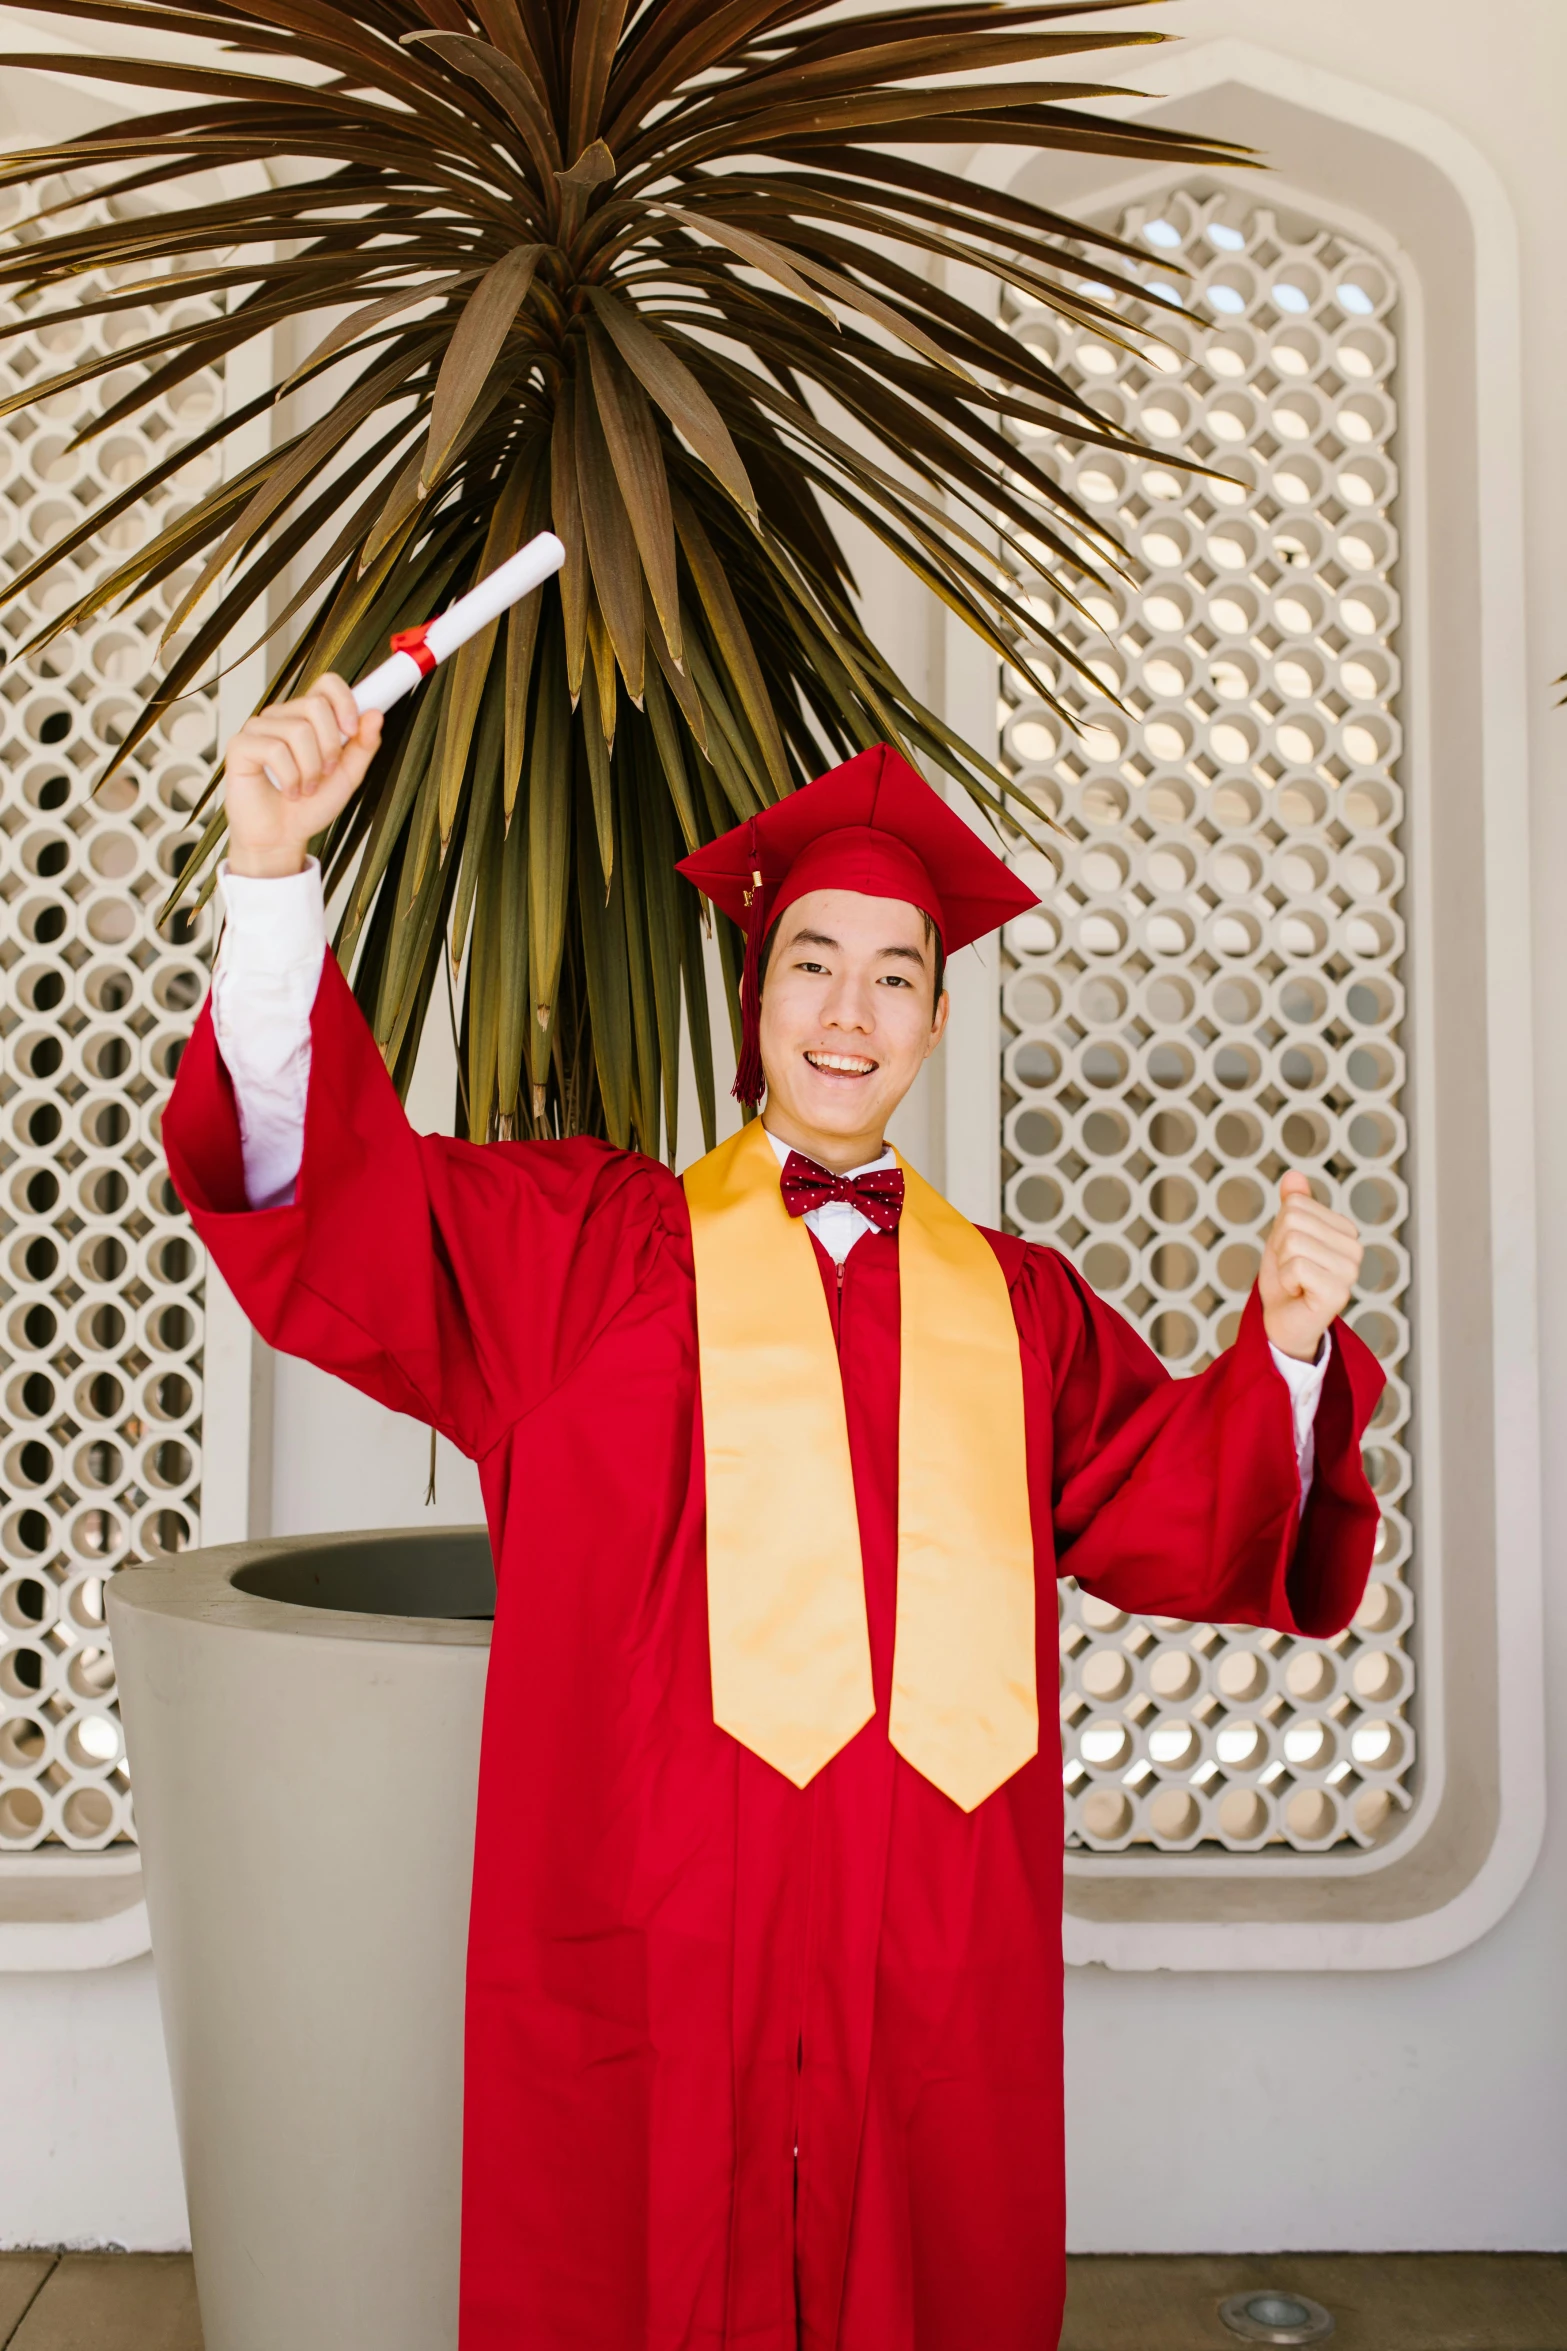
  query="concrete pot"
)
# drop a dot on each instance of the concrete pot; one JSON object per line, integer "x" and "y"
{"x": 302, "y": 1721}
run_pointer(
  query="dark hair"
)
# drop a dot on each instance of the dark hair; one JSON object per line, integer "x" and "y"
{"x": 932, "y": 938}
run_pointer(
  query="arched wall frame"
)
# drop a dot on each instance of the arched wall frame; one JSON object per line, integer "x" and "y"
{"x": 1389, "y": 171}
{"x": 1409, "y": 184}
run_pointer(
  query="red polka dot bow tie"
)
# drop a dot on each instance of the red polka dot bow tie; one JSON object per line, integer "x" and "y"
{"x": 877, "y": 1194}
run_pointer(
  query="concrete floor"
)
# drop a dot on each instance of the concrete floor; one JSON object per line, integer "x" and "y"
{"x": 98, "y": 2302}
{"x": 1379, "y": 2302}
{"x": 1390, "y": 2302}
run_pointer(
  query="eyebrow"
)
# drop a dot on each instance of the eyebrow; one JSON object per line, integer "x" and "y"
{"x": 820, "y": 939}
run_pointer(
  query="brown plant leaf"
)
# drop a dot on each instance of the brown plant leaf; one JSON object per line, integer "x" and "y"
{"x": 611, "y": 543}
{"x": 401, "y": 173}
{"x": 761, "y": 252}
{"x": 487, "y": 319}
{"x": 602, "y": 670}
{"x": 733, "y": 643}
{"x": 673, "y": 41}
{"x": 301, "y": 465}
{"x": 595, "y": 32}
{"x": 858, "y": 298}
{"x": 678, "y": 681}
{"x": 471, "y": 664}
{"x": 566, "y": 518}
{"x": 522, "y": 622}
{"x": 670, "y": 382}
{"x": 510, "y": 82}
{"x": 368, "y": 315}
{"x": 594, "y": 168}
{"x": 638, "y": 460}
{"x": 522, "y": 31}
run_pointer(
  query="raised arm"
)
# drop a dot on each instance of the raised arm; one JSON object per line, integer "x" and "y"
{"x": 289, "y": 771}
{"x": 1185, "y": 1497}
{"x": 454, "y": 1282}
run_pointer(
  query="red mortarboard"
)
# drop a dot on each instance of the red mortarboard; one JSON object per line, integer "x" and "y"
{"x": 872, "y": 825}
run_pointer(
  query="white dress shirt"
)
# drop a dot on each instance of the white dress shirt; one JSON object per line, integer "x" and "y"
{"x": 263, "y": 986}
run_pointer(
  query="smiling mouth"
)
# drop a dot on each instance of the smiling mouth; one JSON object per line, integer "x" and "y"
{"x": 842, "y": 1065}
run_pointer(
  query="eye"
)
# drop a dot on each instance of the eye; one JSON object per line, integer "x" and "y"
{"x": 817, "y": 967}
{"x": 895, "y": 979}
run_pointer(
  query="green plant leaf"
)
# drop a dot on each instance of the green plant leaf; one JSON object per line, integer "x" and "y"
{"x": 666, "y": 738}
{"x": 548, "y": 847}
{"x": 597, "y": 744}
{"x": 522, "y": 624}
{"x": 566, "y": 518}
{"x": 603, "y": 921}
{"x": 512, "y": 962}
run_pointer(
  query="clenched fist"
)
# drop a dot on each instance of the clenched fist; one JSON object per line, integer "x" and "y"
{"x": 1308, "y": 1270}
{"x": 288, "y": 773}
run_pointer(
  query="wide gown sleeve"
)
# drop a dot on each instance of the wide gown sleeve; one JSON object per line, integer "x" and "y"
{"x": 1181, "y": 1497}
{"x": 454, "y": 1282}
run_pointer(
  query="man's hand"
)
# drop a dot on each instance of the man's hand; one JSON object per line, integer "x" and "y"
{"x": 1308, "y": 1269}
{"x": 289, "y": 771}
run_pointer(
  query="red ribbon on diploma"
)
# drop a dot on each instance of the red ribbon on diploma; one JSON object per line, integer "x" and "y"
{"x": 412, "y": 641}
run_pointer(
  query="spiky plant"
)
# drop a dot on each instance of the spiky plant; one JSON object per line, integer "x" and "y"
{"x": 668, "y": 276}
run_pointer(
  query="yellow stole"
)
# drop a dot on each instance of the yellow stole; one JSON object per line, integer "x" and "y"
{"x": 785, "y": 1584}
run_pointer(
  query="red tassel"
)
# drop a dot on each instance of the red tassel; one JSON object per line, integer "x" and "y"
{"x": 749, "y": 1084}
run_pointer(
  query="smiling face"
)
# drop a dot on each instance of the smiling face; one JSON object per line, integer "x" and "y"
{"x": 848, "y": 1018}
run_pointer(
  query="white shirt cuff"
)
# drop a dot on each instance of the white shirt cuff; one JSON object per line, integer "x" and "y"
{"x": 275, "y": 927}
{"x": 1304, "y": 1382}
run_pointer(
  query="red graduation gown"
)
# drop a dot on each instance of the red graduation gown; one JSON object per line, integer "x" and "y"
{"x": 748, "y": 2066}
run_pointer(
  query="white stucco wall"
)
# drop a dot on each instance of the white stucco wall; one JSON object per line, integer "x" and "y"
{"x": 1423, "y": 2109}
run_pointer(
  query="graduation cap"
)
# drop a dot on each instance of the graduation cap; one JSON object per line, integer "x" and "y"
{"x": 872, "y": 825}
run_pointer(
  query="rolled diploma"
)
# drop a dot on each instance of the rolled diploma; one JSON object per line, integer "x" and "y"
{"x": 528, "y": 569}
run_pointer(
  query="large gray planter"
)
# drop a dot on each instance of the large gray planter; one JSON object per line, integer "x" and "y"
{"x": 302, "y": 1720}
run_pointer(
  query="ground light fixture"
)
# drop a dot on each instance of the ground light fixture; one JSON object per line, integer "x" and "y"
{"x": 1273, "y": 2316}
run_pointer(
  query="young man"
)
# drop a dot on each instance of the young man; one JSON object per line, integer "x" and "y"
{"x": 780, "y": 1464}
